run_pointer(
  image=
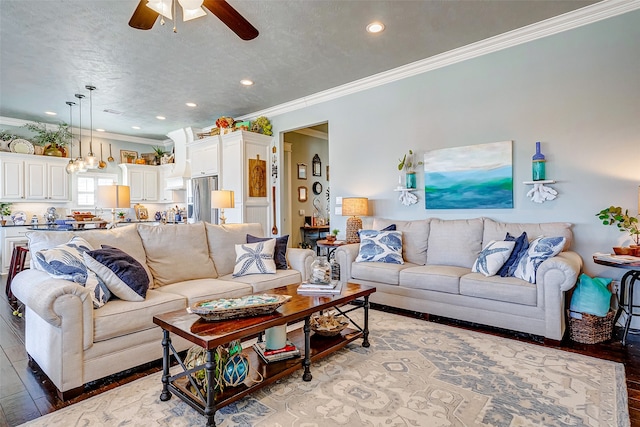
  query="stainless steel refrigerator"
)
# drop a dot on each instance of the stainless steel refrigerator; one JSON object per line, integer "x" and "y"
{"x": 199, "y": 199}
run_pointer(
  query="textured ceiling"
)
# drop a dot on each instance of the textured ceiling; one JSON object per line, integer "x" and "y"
{"x": 49, "y": 50}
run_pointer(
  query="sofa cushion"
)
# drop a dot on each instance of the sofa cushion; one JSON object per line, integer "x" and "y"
{"x": 539, "y": 251}
{"x": 121, "y": 317}
{"x": 380, "y": 246}
{"x": 440, "y": 278}
{"x": 177, "y": 252}
{"x": 507, "y": 289}
{"x": 205, "y": 289}
{"x": 280, "y": 253}
{"x": 381, "y": 272}
{"x": 123, "y": 237}
{"x": 494, "y": 230}
{"x": 493, "y": 256}
{"x": 124, "y": 276}
{"x": 455, "y": 242}
{"x": 65, "y": 261}
{"x": 520, "y": 248}
{"x": 255, "y": 258}
{"x": 264, "y": 282}
{"x": 223, "y": 238}
{"x": 414, "y": 237}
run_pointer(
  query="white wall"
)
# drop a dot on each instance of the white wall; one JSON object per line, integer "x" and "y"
{"x": 577, "y": 92}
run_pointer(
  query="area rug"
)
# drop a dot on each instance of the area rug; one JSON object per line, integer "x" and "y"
{"x": 415, "y": 373}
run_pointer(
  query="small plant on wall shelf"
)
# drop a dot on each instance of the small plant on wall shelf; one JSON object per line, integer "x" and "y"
{"x": 408, "y": 163}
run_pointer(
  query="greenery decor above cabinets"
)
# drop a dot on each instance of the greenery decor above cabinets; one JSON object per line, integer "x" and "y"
{"x": 28, "y": 178}
{"x": 143, "y": 181}
{"x": 204, "y": 157}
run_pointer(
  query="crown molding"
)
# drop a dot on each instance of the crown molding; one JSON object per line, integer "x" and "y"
{"x": 9, "y": 121}
{"x": 568, "y": 21}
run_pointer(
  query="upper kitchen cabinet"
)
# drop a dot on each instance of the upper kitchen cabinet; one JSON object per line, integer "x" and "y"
{"x": 143, "y": 181}
{"x": 204, "y": 156}
{"x": 33, "y": 178}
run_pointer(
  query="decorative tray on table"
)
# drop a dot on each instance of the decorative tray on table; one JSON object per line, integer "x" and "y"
{"x": 229, "y": 308}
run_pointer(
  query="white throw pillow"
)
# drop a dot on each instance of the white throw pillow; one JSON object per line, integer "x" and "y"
{"x": 380, "y": 246}
{"x": 539, "y": 250}
{"x": 255, "y": 258}
{"x": 493, "y": 256}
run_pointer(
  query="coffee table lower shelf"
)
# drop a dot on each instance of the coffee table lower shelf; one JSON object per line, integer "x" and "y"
{"x": 320, "y": 347}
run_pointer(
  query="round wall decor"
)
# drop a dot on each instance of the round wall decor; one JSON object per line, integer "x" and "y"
{"x": 317, "y": 188}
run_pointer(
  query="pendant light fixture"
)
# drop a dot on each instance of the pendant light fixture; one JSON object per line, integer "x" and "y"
{"x": 80, "y": 165}
{"x": 71, "y": 166}
{"x": 91, "y": 160}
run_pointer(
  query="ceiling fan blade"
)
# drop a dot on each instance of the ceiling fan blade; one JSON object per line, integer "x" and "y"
{"x": 232, "y": 19}
{"x": 143, "y": 18}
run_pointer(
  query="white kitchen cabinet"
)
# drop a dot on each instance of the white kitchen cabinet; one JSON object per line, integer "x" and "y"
{"x": 10, "y": 238}
{"x": 142, "y": 181}
{"x": 33, "y": 178}
{"x": 204, "y": 155}
{"x": 166, "y": 195}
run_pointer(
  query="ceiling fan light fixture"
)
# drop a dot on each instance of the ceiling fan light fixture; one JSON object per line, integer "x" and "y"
{"x": 163, "y": 7}
{"x": 189, "y": 14}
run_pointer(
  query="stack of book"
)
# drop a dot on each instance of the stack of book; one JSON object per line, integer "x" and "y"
{"x": 306, "y": 288}
{"x": 286, "y": 352}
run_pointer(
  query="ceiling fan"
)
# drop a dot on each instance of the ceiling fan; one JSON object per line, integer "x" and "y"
{"x": 144, "y": 16}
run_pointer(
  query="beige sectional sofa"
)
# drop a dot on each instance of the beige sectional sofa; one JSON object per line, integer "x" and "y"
{"x": 436, "y": 277}
{"x": 73, "y": 343}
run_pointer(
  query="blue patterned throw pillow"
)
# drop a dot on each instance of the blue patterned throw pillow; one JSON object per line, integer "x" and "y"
{"x": 255, "y": 258}
{"x": 493, "y": 256}
{"x": 279, "y": 254}
{"x": 539, "y": 251}
{"x": 125, "y": 277}
{"x": 66, "y": 262}
{"x": 522, "y": 244}
{"x": 380, "y": 246}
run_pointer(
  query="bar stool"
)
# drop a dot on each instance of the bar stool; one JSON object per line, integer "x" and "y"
{"x": 18, "y": 258}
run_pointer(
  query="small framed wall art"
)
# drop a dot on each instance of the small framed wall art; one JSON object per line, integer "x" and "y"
{"x": 302, "y": 193}
{"x": 127, "y": 156}
{"x": 302, "y": 171}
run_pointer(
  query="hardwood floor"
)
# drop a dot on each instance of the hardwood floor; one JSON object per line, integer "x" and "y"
{"x": 25, "y": 395}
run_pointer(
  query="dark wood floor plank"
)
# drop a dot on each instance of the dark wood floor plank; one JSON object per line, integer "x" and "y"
{"x": 19, "y": 408}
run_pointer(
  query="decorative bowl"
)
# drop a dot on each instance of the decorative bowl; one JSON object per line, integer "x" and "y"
{"x": 328, "y": 325}
{"x": 623, "y": 250}
{"x": 230, "y": 308}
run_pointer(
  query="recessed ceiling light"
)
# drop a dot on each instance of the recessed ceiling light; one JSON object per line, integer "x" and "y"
{"x": 246, "y": 82}
{"x": 135, "y": 127}
{"x": 161, "y": 117}
{"x": 100, "y": 130}
{"x": 375, "y": 27}
{"x": 50, "y": 113}
{"x": 191, "y": 104}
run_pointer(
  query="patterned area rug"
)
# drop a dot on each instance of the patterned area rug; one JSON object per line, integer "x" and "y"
{"x": 415, "y": 373}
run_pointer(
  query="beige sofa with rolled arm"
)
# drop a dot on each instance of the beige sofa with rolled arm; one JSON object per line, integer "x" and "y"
{"x": 73, "y": 343}
{"x": 436, "y": 277}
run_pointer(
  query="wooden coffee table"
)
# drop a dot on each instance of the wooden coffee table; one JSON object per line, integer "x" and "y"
{"x": 210, "y": 335}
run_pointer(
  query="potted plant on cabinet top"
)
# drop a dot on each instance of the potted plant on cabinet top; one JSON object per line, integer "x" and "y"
{"x": 408, "y": 164}
{"x": 625, "y": 222}
{"x": 5, "y": 209}
{"x": 160, "y": 152}
{"x": 53, "y": 141}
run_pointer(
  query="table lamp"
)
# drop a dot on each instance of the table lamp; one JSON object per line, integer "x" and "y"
{"x": 354, "y": 207}
{"x": 222, "y": 199}
{"x": 114, "y": 197}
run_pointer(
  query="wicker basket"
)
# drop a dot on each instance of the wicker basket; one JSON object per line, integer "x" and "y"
{"x": 591, "y": 329}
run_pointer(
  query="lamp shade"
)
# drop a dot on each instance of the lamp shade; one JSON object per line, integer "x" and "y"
{"x": 354, "y": 206}
{"x": 222, "y": 199}
{"x": 114, "y": 196}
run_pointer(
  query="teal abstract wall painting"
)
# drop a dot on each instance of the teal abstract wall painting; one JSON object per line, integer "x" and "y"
{"x": 471, "y": 177}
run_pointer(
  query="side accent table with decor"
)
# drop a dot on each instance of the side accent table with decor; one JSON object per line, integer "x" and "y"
{"x": 627, "y": 284}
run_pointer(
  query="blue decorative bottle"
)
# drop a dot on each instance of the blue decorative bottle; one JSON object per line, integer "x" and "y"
{"x": 538, "y": 164}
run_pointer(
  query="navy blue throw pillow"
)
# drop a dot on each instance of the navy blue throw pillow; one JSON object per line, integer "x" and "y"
{"x": 125, "y": 277}
{"x": 522, "y": 244}
{"x": 280, "y": 254}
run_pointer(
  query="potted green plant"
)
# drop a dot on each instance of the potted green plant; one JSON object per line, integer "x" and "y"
{"x": 5, "y": 209}
{"x": 53, "y": 141}
{"x": 408, "y": 164}
{"x": 160, "y": 152}
{"x": 333, "y": 236}
{"x": 613, "y": 215}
